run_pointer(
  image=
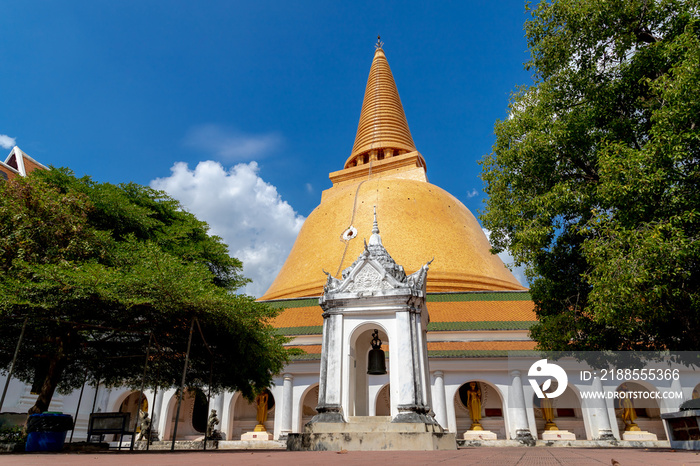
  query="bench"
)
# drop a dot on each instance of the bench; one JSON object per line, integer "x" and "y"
{"x": 102, "y": 424}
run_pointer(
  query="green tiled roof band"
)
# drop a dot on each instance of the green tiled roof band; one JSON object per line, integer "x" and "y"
{"x": 312, "y": 330}
{"x": 486, "y": 325}
{"x": 291, "y": 303}
{"x": 486, "y": 353}
{"x": 431, "y": 298}
{"x": 478, "y": 296}
{"x": 305, "y": 357}
{"x": 433, "y": 326}
{"x": 445, "y": 354}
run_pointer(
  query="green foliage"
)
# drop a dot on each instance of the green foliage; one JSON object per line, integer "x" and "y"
{"x": 12, "y": 434}
{"x": 593, "y": 180}
{"x": 96, "y": 268}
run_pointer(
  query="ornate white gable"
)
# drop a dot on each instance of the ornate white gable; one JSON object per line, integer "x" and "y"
{"x": 375, "y": 271}
{"x": 366, "y": 278}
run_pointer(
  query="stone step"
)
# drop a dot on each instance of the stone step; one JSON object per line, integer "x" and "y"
{"x": 371, "y": 427}
{"x": 368, "y": 419}
{"x": 371, "y": 441}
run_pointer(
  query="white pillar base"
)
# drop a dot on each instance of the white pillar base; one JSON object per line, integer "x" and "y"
{"x": 558, "y": 435}
{"x": 256, "y": 436}
{"x": 479, "y": 435}
{"x": 639, "y": 436}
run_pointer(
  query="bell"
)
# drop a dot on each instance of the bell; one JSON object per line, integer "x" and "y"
{"x": 376, "y": 363}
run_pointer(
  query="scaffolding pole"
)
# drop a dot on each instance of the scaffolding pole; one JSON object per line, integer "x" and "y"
{"x": 12, "y": 365}
{"x": 182, "y": 385}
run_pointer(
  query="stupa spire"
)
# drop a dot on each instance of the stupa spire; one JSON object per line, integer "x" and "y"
{"x": 375, "y": 239}
{"x": 383, "y": 130}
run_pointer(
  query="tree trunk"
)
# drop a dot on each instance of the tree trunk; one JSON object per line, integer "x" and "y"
{"x": 57, "y": 364}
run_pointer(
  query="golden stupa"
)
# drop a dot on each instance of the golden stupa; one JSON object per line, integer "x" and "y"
{"x": 419, "y": 221}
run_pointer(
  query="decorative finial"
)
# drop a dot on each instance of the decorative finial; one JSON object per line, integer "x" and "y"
{"x": 375, "y": 226}
{"x": 379, "y": 43}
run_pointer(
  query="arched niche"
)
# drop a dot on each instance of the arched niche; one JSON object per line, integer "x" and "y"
{"x": 383, "y": 401}
{"x": 646, "y": 409}
{"x": 244, "y": 415}
{"x": 360, "y": 346}
{"x": 567, "y": 413}
{"x": 491, "y": 409}
{"x": 130, "y": 405}
{"x": 192, "y": 423}
{"x": 695, "y": 394}
{"x": 309, "y": 401}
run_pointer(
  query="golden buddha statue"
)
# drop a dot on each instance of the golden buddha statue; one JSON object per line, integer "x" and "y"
{"x": 548, "y": 413}
{"x": 474, "y": 405}
{"x": 629, "y": 414}
{"x": 261, "y": 417}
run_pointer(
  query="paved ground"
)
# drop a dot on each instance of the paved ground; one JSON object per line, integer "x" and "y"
{"x": 464, "y": 456}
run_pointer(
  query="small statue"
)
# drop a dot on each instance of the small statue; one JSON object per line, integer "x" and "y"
{"x": 261, "y": 402}
{"x": 548, "y": 413}
{"x": 629, "y": 414}
{"x": 474, "y": 405}
{"x": 145, "y": 425}
{"x": 331, "y": 284}
{"x": 213, "y": 421}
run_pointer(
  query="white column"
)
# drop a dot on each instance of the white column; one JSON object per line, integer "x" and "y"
{"x": 406, "y": 401}
{"x": 422, "y": 372}
{"x": 157, "y": 414}
{"x": 598, "y": 414}
{"x": 439, "y": 402}
{"x": 225, "y": 414}
{"x": 674, "y": 404}
{"x": 101, "y": 406}
{"x": 287, "y": 405}
{"x": 331, "y": 378}
{"x": 517, "y": 409}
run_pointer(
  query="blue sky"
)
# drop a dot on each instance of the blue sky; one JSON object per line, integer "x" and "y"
{"x": 241, "y": 109}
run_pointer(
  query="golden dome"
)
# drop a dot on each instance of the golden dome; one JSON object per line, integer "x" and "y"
{"x": 383, "y": 123}
{"x": 418, "y": 220}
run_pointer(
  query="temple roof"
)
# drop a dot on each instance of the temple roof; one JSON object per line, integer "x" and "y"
{"x": 506, "y": 314}
{"x": 420, "y": 221}
{"x": 500, "y": 310}
{"x": 383, "y": 123}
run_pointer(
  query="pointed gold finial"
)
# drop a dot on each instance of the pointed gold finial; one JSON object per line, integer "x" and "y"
{"x": 383, "y": 128}
{"x": 375, "y": 227}
{"x": 375, "y": 239}
{"x": 379, "y": 43}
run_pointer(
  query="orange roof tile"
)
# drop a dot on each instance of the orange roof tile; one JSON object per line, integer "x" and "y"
{"x": 480, "y": 345}
{"x": 451, "y": 346}
{"x": 479, "y": 311}
{"x": 456, "y": 311}
{"x": 310, "y": 349}
{"x": 299, "y": 317}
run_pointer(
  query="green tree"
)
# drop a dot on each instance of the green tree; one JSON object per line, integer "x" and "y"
{"x": 97, "y": 269}
{"x": 593, "y": 179}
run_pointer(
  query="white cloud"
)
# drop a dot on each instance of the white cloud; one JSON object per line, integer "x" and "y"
{"x": 6, "y": 142}
{"x": 507, "y": 258}
{"x": 247, "y": 212}
{"x": 472, "y": 193}
{"x": 309, "y": 188}
{"x": 230, "y": 145}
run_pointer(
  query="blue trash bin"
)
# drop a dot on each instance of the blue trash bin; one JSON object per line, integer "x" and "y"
{"x": 47, "y": 431}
